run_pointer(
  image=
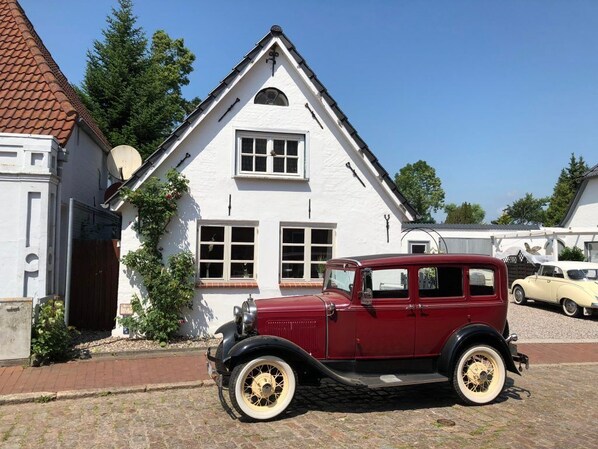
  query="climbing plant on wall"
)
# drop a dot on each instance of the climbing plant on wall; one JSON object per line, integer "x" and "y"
{"x": 168, "y": 288}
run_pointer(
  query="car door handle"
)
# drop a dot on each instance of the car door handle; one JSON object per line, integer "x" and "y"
{"x": 422, "y": 308}
{"x": 410, "y": 308}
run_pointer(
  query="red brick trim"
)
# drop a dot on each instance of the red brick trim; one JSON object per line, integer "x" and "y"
{"x": 287, "y": 284}
{"x": 222, "y": 284}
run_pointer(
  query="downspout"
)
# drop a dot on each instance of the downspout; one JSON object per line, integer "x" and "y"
{"x": 69, "y": 261}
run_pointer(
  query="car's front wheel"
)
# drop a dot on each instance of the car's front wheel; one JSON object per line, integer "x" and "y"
{"x": 262, "y": 388}
{"x": 479, "y": 375}
{"x": 570, "y": 308}
{"x": 519, "y": 295}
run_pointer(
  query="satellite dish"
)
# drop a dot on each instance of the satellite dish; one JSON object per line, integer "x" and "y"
{"x": 123, "y": 160}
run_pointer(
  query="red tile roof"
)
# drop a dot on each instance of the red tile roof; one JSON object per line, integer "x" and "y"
{"x": 35, "y": 96}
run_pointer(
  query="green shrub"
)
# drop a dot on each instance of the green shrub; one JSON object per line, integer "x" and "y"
{"x": 51, "y": 337}
{"x": 168, "y": 288}
{"x": 573, "y": 253}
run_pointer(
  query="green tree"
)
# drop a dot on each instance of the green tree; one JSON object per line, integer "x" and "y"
{"x": 504, "y": 219}
{"x": 466, "y": 213}
{"x": 134, "y": 92}
{"x": 527, "y": 210}
{"x": 422, "y": 188}
{"x": 564, "y": 190}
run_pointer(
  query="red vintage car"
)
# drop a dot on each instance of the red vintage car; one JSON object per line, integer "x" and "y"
{"x": 380, "y": 321}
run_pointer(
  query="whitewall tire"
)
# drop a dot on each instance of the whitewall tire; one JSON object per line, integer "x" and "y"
{"x": 262, "y": 388}
{"x": 479, "y": 375}
{"x": 519, "y": 295}
{"x": 570, "y": 308}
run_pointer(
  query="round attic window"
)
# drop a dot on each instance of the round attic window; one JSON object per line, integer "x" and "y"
{"x": 271, "y": 96}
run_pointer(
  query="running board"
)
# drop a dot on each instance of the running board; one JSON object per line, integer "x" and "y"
{"x": 400, "y": 380}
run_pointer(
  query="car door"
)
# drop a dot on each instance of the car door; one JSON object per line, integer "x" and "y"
{"x": 386, "y": 327}
{"x": 541, "y": 288}
{"x": 441, "y": 306}
{"x": 553, "y": 284}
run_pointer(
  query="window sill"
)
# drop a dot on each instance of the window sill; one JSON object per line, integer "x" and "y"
{"x": 227, "y": 284}
{"x": 268, "y": 177}
{"x": 301, "y": 284}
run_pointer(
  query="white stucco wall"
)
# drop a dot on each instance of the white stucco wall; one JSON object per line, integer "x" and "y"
{"x": 37, "y": 178}
{"x": 28, "y": 185}
{"x": 337, "y": 197}
{"x": 586, "y": 212}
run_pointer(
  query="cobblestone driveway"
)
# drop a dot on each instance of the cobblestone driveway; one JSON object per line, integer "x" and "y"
{"x": 549, "y": 406}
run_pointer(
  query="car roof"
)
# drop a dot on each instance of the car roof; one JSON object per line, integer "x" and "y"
{"x": 424, "y": 259}
{"x": 571, "y": 265}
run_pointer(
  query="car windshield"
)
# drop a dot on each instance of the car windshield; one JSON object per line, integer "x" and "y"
{"x": 339, "y": 279}
{"x": 580, "y": 274}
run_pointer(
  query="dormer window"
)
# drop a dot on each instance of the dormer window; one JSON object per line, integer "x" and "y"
{"x": 271, "y": 96}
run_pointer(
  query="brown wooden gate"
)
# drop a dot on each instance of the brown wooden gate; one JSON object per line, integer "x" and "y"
{"x": 94, "y": 284}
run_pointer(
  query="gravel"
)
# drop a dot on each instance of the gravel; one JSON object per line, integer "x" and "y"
{"x": 533, "y": 322}
{"x": 541, "y": 322}
{"x": 87, "y": 343}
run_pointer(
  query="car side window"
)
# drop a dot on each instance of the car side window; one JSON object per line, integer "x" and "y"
{"x": 547, "y": 270}
{"x": 390, "y": 283}
{"x": 558, "y": 273}
{"x": 481, "y": 281}
{"x": 440, "y": 282}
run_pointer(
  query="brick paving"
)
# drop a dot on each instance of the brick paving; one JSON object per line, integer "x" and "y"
{"x": 186, "y": 367}
{"x": 548, "y": 407}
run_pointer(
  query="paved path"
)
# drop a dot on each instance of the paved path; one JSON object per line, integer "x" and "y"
{"x": 548, "y": 407}
{"x": 114, "y": 373}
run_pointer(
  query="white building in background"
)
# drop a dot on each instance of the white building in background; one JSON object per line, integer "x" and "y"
{"x": 50, "y": 151}
{"x": 280, "y": 182}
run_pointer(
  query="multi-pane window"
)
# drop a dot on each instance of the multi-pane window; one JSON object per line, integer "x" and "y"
{"x": 226, "y": 252}
{"x": 304, "y": 252}
{"x": 276, "y": 155}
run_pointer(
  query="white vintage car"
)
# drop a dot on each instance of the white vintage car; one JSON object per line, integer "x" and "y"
{"x": 573, "y": 285}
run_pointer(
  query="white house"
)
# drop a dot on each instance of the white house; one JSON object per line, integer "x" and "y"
{"x": 280, "y": 182}
{"x": 50, "y": 151}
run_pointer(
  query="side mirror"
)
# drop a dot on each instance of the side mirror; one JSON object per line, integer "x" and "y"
{"x": 366, "y": 292}
{"x": 366, "y": 297}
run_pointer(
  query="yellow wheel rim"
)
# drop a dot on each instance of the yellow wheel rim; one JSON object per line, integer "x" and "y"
{"x": 265, "y": 385}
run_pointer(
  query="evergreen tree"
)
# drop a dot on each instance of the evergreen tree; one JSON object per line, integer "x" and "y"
{"x": 565, "y": 190}
{"x": 422, "y": 188}
{"x": 132, "y": 91}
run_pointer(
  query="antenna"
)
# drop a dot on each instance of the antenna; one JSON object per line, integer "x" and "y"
{"x": 123, "y": 160}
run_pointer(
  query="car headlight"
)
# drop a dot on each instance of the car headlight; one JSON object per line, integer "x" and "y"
{"x": 246, "y": 317}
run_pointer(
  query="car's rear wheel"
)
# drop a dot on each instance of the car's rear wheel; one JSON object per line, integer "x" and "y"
{"x": 570, "y": 308}
{"x": 479, "y": 375}
{"x": 262, "y": 388}
{"x": 519, "y": 295}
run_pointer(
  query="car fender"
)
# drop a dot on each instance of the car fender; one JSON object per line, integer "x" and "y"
{"x": 575, "y": 293}
{"x": 468, "y": 336}
{"x": 291, "y": 353}
{"x": 229, "y": 338}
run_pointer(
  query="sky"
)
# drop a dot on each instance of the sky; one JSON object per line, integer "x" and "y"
{"x": 495, "y": 95}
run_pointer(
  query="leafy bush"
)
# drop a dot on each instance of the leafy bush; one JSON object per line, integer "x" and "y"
{"x": 573, "y": 253}
{"x": 168, "y": 288}
{"x": 51, "y": 338}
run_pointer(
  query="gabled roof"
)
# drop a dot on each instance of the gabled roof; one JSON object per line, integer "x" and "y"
{"x": 591, "y": 173}
{"x": 35, "y": 96}
{"x": 275, "y": 33}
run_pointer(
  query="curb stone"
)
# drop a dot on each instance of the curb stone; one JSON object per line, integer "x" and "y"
{"x": 47, "y": 396}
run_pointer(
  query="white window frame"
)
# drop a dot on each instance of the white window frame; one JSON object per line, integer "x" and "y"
{"x": 227, "y": 260}
{"x": 270, "y": 137}
{"x": 418, "y": 243}
{"x": 307, "y": 245}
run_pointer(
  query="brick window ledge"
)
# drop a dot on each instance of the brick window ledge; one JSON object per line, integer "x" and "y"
{"x": 291, "y": 284}
{"x": 226, "y": 284}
